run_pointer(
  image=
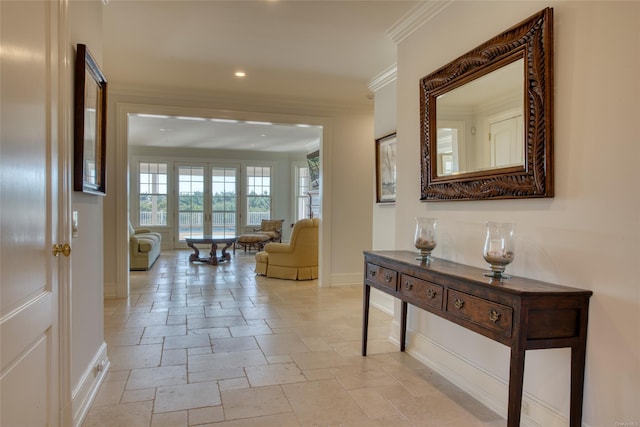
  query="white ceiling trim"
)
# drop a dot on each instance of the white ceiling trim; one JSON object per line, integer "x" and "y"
{"x": 415, "y": 18}
{"x": 384, "y": 78}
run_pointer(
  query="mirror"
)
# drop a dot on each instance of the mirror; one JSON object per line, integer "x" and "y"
{"x": 480, "y": 124}
{"x": 487, "y": 119}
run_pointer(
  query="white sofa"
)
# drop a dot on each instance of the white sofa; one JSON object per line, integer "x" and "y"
{"x": 144, "y": 248}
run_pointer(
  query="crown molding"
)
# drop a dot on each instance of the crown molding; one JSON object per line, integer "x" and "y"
{"x": 312, "y": 146}
{"x": 415, "y": 18}
{"x": 384, "y": 78}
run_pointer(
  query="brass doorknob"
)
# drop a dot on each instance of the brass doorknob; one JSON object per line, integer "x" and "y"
{"x": 61, "y": 249}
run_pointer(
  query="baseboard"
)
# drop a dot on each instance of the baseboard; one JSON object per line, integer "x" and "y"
{"x": 85, "y": 392}
{"x": 382, "y": 301}
{"x": 110, "y": 290}
{"x": 485, "y": 387}
{"x": 349, "y": 279}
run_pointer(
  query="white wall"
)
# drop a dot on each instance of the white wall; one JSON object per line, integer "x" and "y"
{"x": 585, "y": 237}
{"x": 351, "y": 167}
{"x": 385, "y": 112}
{"x": 384, "y": 214}
{"x": 87, "y": 329}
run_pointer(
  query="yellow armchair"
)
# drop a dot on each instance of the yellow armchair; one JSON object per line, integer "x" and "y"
{"x": 296, "y": 260}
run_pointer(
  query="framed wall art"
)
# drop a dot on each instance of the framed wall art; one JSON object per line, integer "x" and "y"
{"x": 313, "y": 161}
{"x": 90, "y": 120}
{"x": 386, "y": 169}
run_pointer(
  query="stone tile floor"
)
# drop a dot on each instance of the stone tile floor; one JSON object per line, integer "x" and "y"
{"x": 219, "y": 346}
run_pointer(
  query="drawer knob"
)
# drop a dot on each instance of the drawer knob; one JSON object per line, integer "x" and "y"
{"x": 372, "y": 273}
{"x": 494, "y": 316}
{"x": 459, "y": 303}
{"x": 408, "y": 285}
{"x": 431, "y": 294}
{"x": 388, "y": 278}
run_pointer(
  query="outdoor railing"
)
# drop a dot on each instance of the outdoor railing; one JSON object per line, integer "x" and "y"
{"x": 186, "y": 219}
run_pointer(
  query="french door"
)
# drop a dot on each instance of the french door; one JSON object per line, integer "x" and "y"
{"x": 207, "y": 200}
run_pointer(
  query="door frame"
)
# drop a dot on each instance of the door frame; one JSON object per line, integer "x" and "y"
{"x": 124, "y": 109}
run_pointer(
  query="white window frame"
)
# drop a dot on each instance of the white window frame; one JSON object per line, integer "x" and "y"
{"x": 246, "y": 195}
{"x": 301, "y": 190}
{"x": 166, "y": 194}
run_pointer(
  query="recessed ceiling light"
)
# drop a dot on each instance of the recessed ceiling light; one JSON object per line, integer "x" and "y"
{"x": 199, "y": 119}
{"x": 240, "y": 74}
{"x": 251, "y": 122}
{"x": 224, "y": 121}
{"x": 151, "y": 116}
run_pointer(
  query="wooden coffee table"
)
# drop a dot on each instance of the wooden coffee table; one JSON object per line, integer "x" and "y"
{"x": 212, "y": 259}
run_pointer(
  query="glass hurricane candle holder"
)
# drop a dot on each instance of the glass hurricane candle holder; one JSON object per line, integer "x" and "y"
{"x": 425, "y": 238}
{"x": 499, "y": 248}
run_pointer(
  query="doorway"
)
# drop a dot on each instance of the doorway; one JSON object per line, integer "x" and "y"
{"x": 126, "y": 110}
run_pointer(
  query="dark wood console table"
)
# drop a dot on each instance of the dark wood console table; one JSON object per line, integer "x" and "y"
{"x": 520, "y": 313}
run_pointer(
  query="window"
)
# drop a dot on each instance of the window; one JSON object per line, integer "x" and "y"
{"x": 153, "y": 193}
{"x": 302, "y": 190}
{"x": 258, "y": 194}
{"x": 450, "y": 149}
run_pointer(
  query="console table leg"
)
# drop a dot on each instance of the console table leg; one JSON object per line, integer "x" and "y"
{"x": 403, "y": 325}
{"x": 365, "y": 317}
{"x": 578, "y": 355}
{"x": 516, "y": 379}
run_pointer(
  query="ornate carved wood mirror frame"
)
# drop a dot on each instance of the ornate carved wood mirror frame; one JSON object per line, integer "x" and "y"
{"x": 531, "y": 40}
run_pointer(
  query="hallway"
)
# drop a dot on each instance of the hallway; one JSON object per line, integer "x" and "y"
{"x": 205, "y": 345}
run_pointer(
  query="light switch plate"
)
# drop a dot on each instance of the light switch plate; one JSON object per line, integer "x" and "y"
{"x": 74, "y": 224}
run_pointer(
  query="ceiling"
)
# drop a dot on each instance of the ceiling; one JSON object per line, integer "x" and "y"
{"x": 301, "y": 50}
{"x": 190, "y": 132}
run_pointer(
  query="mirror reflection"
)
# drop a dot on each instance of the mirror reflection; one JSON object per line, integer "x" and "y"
{"x": 480, "y": 125}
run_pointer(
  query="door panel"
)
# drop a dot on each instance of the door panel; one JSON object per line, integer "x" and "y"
{"x": 28, "y": 272}
{"x": 507, "y": 142}
{"x": 207, "y": 201}
{"x": 25, "y": 387}
{"x": 191, "y": 202}
{"x": 224, "y": 201}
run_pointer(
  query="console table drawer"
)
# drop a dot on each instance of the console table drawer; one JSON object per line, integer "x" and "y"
{"x": 426, "y": 292}
{"x": 382, "y": 276}
{"x": 485, "y": 313}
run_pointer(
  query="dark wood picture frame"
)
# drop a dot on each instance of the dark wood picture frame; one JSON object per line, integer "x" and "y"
{"x": 90, "y": 121}
{"x": 532, "y": 40}
{"x": 386, "y": 169}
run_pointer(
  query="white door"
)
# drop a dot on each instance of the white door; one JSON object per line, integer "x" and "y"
{"x": 29, "y": 342}
{"x": 507, "y": 142}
